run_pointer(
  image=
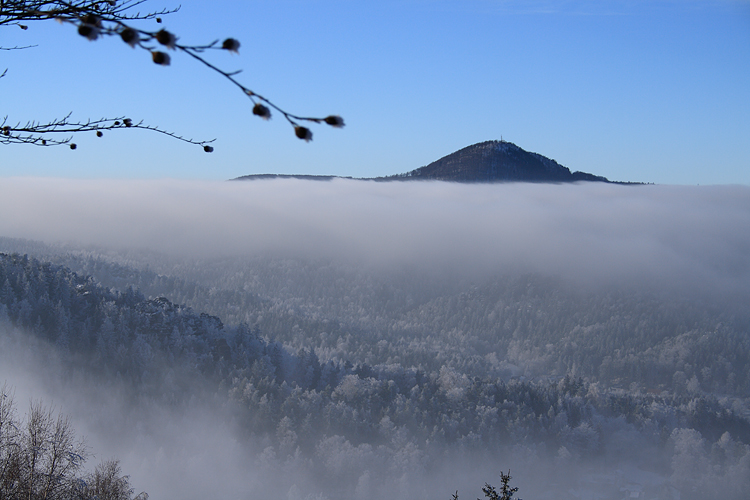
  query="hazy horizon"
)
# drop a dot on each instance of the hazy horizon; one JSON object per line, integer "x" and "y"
{"x": 587, "y": 232}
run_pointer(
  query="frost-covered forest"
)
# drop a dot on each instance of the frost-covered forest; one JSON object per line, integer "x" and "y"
{"x": 293, "y": 376}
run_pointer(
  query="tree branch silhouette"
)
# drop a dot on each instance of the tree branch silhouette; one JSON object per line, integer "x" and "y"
{"x": 98, "y": 18}
{"x": 34, "y": 132}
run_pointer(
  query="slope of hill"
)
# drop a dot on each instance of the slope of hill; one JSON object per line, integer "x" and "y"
{"x": 347, "y": 419}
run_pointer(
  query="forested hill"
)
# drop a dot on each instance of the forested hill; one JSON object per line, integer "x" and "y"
{"x": 497, "y": 161}
{"x": 337, "y": 419}
{"x": 121, "y": 332}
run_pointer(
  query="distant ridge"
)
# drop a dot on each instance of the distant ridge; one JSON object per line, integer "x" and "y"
{"x": 255, "y": 177}
{"x": 484, "y": 162}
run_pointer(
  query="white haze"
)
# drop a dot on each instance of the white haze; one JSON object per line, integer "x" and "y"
{"x": 167, "y": 453}
{"x": 687, "y": 237}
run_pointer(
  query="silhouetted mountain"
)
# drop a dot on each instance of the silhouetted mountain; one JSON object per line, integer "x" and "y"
{"x": 490, "y": 161}
{"x": 496, "y": 161}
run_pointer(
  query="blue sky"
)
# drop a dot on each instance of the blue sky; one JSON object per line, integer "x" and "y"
{"x": 653, "y": 91}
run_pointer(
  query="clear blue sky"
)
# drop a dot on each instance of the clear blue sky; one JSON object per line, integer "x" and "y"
{"x": 653, "y": 91}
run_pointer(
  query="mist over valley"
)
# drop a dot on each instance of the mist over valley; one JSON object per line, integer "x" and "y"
{"x": 297, "y": 339}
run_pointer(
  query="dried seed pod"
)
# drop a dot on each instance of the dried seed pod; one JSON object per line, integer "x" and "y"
{"x": 88, "y": 31}
{"x": 92, "y": 19}
{"x": 334, "y": 121}
{"x": 303, "y": 133}
{"x": 160, "y": 58}
{"x": 262, "y": 111}
{"x": 166, "y": 38}
{"x": 130, "y": 36}
{"x": 232, "y": 45}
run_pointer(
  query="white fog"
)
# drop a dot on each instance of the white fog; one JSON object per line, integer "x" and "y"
{"x": 592, "y": 232}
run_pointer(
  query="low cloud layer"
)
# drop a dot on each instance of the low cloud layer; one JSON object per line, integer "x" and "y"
{"x": 686, "y": 236}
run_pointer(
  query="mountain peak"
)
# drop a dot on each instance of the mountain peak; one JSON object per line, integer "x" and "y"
{"x": 489, "y": 161}
{"x": 498, "y": 161}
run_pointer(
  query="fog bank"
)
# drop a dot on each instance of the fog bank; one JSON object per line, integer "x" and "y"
{"x": 685, "y": 236}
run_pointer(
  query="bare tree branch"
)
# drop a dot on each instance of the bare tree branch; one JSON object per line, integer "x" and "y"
{"x": 96, "y": 18}
{"x": 33, "y": 132}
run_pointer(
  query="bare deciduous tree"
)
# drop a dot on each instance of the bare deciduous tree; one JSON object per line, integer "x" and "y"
{"x": 108, "y": 483}
{"x": 10, "y": 458}
{"x": 94, "y": 19}
{"x": 41, "y": 459}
